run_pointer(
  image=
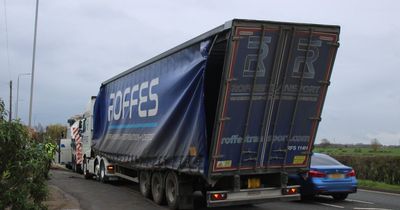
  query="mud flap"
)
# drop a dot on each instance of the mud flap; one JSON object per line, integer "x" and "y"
{"x": 185, "y": 193}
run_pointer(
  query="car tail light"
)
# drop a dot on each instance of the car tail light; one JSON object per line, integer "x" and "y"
{"x": 218, "y": 196}
{"x": 351, "y": 173}
{"x": 316, "y": 174}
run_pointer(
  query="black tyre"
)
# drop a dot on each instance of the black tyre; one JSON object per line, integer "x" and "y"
{"x": 340, "y": 197}
{"x": 79, "y": 169}
{"x": 103, "y": 177}
{"x": 73, "y": 164}
{"x": 158, "y": 187}
{"x": 144, "y": 184}
{"x": 172, "y": 190}
{"x": 86, "y": 173}
{"x": 307, "y": 197}
{"x": 69, "y": 166}
{"x": 97, "y": 170}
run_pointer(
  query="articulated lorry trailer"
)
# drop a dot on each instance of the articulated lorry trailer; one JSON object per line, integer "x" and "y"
{"x": 229, "y": 113}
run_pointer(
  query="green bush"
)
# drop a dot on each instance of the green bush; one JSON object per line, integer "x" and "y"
{"x": 24, "y": 166}
{"x": 376, "y": 168}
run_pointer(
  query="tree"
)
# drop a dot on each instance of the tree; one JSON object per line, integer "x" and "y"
{"x": 325, "y": 143}
{"x": 2, "y": 110}
{"x": 375, "y": 144}
{"x": 55, "y": 132}
{"x": 39, "y": 128}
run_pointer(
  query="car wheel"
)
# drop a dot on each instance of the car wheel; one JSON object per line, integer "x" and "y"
{"x": 340, "y": 197}
{"x": 307, "y": 197}
{"x": 144, "y": 184}
{"x": 158, "y": 187}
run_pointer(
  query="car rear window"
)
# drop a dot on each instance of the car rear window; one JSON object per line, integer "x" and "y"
{"x": 322, "y": 160}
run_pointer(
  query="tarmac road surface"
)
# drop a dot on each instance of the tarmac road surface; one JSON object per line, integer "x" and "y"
{"x": 93, "y": 195}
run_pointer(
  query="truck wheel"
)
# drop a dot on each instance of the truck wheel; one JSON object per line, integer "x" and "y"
{"x": 73, "y": 164}
{"x": 97, "y": 170}
{"x": 103, "y": 177}
{"x": 86, "y": 173}
{"x": 172, "y": 190}
{"x": 79, "y": 169}
{"x": 158, "y": 187}
{"x": 144, "y": 184}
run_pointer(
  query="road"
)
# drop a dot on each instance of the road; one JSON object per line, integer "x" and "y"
{"x": 93, "y": 195}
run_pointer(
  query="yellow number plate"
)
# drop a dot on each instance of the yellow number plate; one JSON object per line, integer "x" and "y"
{"x": 336, "y": 176}
{"x": 299, "y": 159}
{"x": 253, "y": 183}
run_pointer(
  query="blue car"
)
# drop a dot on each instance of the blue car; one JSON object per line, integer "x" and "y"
{"x": 327, "y": 176}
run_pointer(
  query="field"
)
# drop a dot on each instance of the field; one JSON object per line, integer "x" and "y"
{"x": 358, "y": 151}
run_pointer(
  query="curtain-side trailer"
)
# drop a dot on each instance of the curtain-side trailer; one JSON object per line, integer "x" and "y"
{"x": 229, "y": 113}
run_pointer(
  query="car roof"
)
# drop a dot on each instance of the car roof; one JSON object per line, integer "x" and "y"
{"x": 321, "y": 156}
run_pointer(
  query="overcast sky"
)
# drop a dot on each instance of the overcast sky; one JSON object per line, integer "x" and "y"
{"x": 83, "y": 43}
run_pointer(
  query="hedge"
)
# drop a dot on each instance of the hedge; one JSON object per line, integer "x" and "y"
{"x": 24, "y": 166}
{"x": 376, "y": 168}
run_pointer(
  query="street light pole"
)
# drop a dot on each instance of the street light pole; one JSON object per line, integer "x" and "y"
{"x": 33, "y": 64}
{"x": 17, "y": 100}
{"x": 9, "y": 116}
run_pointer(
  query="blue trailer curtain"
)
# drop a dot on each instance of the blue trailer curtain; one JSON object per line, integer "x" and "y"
{"x": 154, "y": 117}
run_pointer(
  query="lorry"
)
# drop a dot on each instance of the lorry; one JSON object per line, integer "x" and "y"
{"x": 80, "y": 136}
{"x": 229, "y": 113}
{"x": 64, "y": 153}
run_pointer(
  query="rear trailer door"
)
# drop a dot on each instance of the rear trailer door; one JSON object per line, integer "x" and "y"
{"x": 272, "y": 97}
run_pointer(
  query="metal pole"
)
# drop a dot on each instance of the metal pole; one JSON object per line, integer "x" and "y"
{"x": 17, "y": 100}
{"x": 10, "y": 114}
{"x": 33, "y": 64}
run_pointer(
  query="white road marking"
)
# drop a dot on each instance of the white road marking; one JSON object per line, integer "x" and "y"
{"x": 370, "y": 208}
{"x": 373, "y": 191}
{"x": 358, "y": 201}
{"x": 330, "y": 205}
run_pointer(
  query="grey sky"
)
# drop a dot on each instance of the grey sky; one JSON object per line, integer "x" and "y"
{"x": 82, "y": 43}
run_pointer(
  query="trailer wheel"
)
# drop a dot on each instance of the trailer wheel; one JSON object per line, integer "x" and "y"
{"x": 172, "y": 190}
{"x": 178, "y": 191}
{"x": 158, "y": 187}
{"x": 144, "y": 184}
{"x": 103, "y": 177}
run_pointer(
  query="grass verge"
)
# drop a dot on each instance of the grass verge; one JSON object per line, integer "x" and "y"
{"x": 380, "y": 186}
{"x": 355, "y": 151}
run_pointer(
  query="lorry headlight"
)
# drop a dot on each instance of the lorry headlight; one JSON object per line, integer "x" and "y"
{"x": 110, "y": 169}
